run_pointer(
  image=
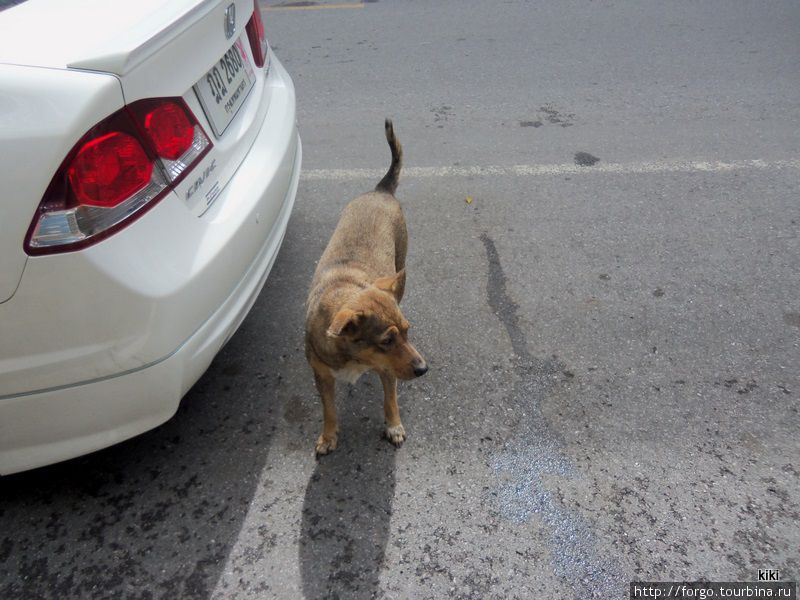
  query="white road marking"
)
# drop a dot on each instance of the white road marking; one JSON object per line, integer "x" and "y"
{"x": 633, "y": 168}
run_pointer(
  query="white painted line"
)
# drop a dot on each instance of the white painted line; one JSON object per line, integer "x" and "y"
{"x": 676, "y": 166}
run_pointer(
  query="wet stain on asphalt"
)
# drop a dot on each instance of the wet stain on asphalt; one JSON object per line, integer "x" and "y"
{"x": 792, "y": 318}
{"x": 741, "y": 387}
{"x": 530, "y": 123}
{"x": 500, "y": 301}
{"x": 534, "y": 452}
{"x": 584, "y": 159}
{"x": 557, "y": 118}
{"x": 442, "y": 114}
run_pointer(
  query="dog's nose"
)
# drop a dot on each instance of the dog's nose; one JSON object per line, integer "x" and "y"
{"x": 421, "y": 370}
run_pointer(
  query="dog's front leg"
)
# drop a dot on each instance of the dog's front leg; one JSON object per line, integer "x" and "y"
{"x": 326, "y": 385}
{"x": 395, "y": 432}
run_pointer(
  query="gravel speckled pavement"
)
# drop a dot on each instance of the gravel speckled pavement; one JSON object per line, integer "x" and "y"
{"x": 612, "y": 324}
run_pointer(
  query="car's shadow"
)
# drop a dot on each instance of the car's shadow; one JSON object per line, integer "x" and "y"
{"x": 348, "y": 504}
{"x": 156, "y": 516}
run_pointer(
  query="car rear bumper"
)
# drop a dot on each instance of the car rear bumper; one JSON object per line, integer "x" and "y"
{"x": 97, "y": 414}
{"x": 170, "y": 314}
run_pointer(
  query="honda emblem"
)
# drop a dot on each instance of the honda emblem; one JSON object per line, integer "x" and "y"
{"x": 230, "y": 21}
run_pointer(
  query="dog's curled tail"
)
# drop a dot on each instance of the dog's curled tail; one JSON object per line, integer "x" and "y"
{"x": 389, "y": 182}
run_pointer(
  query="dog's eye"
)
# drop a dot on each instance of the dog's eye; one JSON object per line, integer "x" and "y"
{"x": 387, "y": 342}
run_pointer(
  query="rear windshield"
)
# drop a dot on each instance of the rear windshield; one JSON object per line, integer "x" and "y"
{"x": 4, "y": 4}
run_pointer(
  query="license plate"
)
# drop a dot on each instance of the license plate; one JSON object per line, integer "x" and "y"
{"x": 223, "y": 90}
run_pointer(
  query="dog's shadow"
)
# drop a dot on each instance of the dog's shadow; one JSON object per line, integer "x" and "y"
{"x": 348, "y": 503}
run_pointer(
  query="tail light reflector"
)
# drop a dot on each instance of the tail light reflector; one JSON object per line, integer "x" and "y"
{"x": 257, "y": 36}
{"x": 116, "y": 172}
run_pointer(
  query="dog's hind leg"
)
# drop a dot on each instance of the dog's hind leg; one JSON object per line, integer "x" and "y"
{"x": 400, "y": 244}
{"x": 326, "y": 385}
{"x": 395, "y": 432}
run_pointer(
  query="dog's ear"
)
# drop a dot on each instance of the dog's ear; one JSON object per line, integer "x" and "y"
{"x": 395, "y": 285}
{"x": 345, "y": 322}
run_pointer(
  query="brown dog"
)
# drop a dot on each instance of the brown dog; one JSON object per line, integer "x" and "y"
{"x": 354, "y": 323}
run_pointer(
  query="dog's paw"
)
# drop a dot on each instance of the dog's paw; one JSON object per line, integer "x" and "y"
{"x": 325, "y": 444}
{"x": 396, "y": 435}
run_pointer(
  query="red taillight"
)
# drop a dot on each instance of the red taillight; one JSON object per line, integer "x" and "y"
{"x": 121, "y": 168}
{"x": 109, "y": 169}
{"x": 170, "y": 129}
{"x": 257, "y": 36}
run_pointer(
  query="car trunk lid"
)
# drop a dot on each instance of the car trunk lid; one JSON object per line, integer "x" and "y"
{"x": 94, "y": 34}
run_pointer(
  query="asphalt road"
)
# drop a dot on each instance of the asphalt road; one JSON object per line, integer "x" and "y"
{"x": 603, "y": 273}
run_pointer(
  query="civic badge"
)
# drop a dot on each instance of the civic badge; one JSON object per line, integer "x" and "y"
{"x": 230, "y": 21}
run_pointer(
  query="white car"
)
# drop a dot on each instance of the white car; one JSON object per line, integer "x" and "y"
{"x": 149, "y": 160}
